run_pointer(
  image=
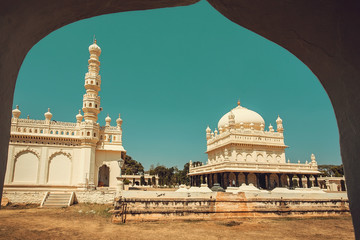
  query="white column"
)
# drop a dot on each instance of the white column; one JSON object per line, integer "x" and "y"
{"x": 43, "y": 166}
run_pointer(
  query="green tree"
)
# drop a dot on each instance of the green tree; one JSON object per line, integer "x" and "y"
{"x": 132, "y": 166}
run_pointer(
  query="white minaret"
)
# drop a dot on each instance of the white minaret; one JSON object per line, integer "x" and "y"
{"x": 91, "y": 100}
{"x": 279, "y": 124}
{"x": 208, "y": 133}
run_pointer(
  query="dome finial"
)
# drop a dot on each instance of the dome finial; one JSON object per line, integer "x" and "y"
{"x": 238, "y": 103}
{"x": 94, "y": 39}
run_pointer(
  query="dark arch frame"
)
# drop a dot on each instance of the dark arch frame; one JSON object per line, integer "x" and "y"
{"x": 322, "y": 34}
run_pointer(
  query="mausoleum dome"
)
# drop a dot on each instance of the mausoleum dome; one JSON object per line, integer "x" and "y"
{"x": 243, "y": 118}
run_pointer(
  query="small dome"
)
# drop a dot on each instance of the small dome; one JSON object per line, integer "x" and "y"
{"x": 108, "y": 119}
{"x": 16, "y": 112}
{"x": 119, "y": 120}
{"x": 48, "y": 114}
{"x": 94, "y": 48}
{"x": 242, "y": 115}
{"x": 278, "y": 120}
{"x": 208, "y": 130}
{"x": 79, "y": 117}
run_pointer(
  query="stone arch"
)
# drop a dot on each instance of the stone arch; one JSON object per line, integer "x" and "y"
{"x": 26, "y": 167}
{"x": 260, "y": 158}
{"x": 59, "y": 168}
{"x": 336, "y": 61}
{"x": 249, "y": 157}
{"x": 239, "y": 157}
{"x": 103, "y": 176}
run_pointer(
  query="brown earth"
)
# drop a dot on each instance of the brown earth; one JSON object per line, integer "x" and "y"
{"x": 84, "y": 221}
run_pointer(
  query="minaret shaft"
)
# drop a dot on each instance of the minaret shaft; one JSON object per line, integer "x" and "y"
{"x": 91, "y": 99}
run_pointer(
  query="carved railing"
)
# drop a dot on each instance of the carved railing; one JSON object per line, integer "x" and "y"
{"x": 253, "y": 166}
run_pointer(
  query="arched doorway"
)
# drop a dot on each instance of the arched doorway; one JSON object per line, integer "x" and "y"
{"x": 103, "y": 178}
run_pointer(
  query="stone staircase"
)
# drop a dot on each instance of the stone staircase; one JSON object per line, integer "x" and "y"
{"x": 58, "y": 199}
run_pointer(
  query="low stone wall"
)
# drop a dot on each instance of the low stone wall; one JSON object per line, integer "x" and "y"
{"x": 36, "y": 196}
{"x": 226, "y": 205}
{"x": 24, "y": 197}
{"x": 99, "y": 197}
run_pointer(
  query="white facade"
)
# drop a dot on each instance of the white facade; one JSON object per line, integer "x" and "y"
{"x": 46, "y": 153}
{"x": 243, "y": 151}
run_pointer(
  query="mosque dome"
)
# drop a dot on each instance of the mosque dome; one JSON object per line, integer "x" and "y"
{"x": 16, "y": 112}
{"x": 243, "y": 118}
{"x": 94, "y": 48}
{"x": 108, "y": 120}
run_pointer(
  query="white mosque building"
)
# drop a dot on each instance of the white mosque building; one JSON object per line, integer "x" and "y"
{"x": 81, "y": 155}
{"x": 243, "y": 152}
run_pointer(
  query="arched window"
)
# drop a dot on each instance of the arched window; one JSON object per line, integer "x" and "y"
{"x": 62, "y": 132}
{"x": 94, "y": 134}
{"x": 88, "y": 134}
{"x": 90, "y": 104}
{"x": 72, "y": 133}
{"x": 57, "y": 132}
{"x": 51, "y": 132}
{"x": 95, "y": 105}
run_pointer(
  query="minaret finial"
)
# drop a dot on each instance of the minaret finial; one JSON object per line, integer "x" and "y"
{"x": 238, "y": 102}
{"x": 94, "y": 39}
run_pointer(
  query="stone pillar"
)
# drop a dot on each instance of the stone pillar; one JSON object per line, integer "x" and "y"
{"x": 221, "y": 180}
{"x": 268, "y": 180}
{"x": 208, "y": 180}
{"x": 246, "y": 178}
{"x": 279, "y": 176}
{"x": 203, "y": 179}
{"x": 300, "y": 180}
{"x": 237, "y": 179}
{"x": 133, "y": 183}
{"x": 290, "y": 180}
{"x": 257, "y": 180}
{"x": 316, "y": 181}
{"x": 308, "y": 181}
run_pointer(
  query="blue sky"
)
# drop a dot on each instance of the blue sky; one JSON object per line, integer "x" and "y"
{"x": 170, "y": 73}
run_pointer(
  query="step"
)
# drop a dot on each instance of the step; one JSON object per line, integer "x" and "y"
{"x": 57, "y": 200}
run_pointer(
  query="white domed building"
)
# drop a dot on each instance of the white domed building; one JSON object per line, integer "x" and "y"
{"x": 243, "y": 152}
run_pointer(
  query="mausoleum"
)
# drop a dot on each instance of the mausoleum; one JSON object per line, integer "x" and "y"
{"x": 243, "y": 152}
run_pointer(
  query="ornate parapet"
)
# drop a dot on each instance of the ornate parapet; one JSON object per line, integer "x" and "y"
{"x": 296, "y": 168}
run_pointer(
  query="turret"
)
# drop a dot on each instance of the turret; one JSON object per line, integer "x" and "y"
{"x": 271, "y": 129}
{"x": 48, "y": 115}
{"x": 119, "y": 121}
{"x": 279, "y": 125}
{"x": 16, "y": 112}
{"x": 107, "y": 121}
{"x": 208, "y": 133}
{"x": 79, "y": 117}
{"x": 313, "y": 160}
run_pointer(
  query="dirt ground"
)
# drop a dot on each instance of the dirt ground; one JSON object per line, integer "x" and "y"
{"x": 84, "y": 221}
